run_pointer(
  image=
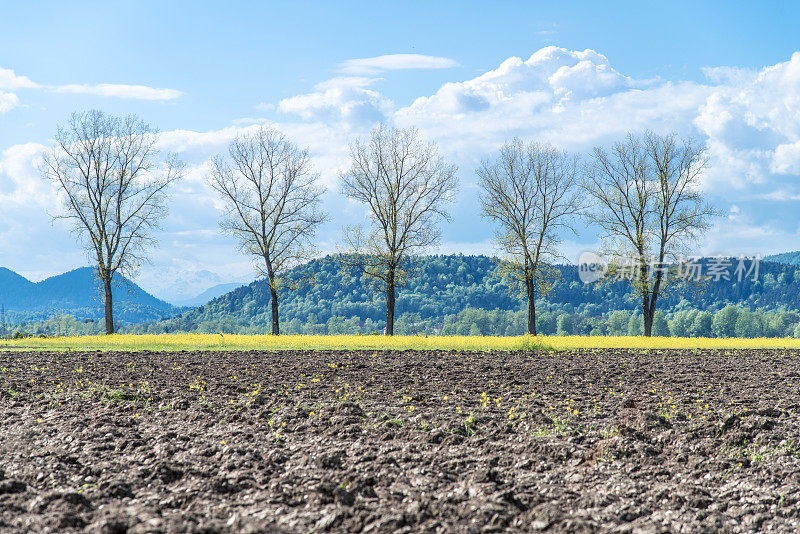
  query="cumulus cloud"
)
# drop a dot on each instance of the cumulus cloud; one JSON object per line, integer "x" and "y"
{"x": 9, "y": 80}
{"x": 551, "y": 75}
{"x": 20, "y": 181}
{"x": 751, "y": 122}
{"x": 375, "y": 65}
{"x": 32, "y": 242}
{"x": 574, "y": 99}
{"x": 786, "y": 158}
{"x": 8, "y": 101}
{"x": 346, "y": 99}
{"x": 749, "y": 119}
{"x": 571, "y": 98}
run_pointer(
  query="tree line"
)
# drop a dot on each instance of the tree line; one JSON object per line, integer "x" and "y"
{"x": 728, "y": 322}
{"x": 643, "y": 195}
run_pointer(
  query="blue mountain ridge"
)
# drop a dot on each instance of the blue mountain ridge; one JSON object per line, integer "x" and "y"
{"x": 80, "y": 293}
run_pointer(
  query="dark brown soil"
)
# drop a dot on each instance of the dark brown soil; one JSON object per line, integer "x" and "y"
{"x": 631, "y": 441}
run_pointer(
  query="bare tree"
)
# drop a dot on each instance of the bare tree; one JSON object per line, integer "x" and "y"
{"x": 533, "y": 192}
{"x": 272, "y": 203}
{"x": 650, "y": 208}
{"x": 407, "y": 186}
{"x": 114, "y": 187}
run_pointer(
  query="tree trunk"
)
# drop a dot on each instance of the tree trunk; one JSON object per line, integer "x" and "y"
{"x": 275, "y": 325}
{"x": 390, "y": 302}
{"x": 109, "y": 302}
{"x": 648, "y": 321}
{"x": 531, "y": 307}
{"x": 648, "y": 305}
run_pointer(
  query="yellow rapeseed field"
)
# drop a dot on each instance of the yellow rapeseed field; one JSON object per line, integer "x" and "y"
{"x": 298, "y": 342}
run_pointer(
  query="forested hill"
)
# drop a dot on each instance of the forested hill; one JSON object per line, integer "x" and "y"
{"x": 789, "y": 258}
{"x": 78, "y": 293}
{"x": 446, "y": 286}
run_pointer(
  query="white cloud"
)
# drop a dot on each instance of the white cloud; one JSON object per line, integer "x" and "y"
{"x": 786, "y": 159}
{"x": 9, "y": 80}
{"x": 190, "y": 140}
{"x": 743, "y": 235}
{"x": 370, "y": 66}
{"x": 8, "y": 101}
{"x": 751, "y": 123}
{"x": 470, "y": 119}
{"x": 345, "y": 99}
{"x": 32, "y": 241}
{"x": 571, "y": 98}
{"x": 749, "y": 119}
{"x": 20, "y": 182}
{"x": 137, "y": 92}
{"x": 550, "y": 76}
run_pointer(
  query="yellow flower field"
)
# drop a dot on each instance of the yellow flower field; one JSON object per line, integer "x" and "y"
{"x": 298, "y": 342}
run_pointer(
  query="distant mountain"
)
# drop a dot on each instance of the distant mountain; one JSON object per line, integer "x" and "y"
{"x": 210, "y": 294}
{"x": 178, "y": 285}
{"x": 79, "y": 293}
{"x": 13, "y": 287}
{"x": 789, "y": 258}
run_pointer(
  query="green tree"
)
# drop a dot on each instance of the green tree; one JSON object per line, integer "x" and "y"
{"x": 545, "y": 323}
{"x": 680, "y": 324}
{"x": 618, "y": 323}
{"x": 749, "y": 325}
{"x": 635, "y": 325}
{"x": 565, "y": 325}
{"x": 702, "y": 325}
{"x": 660, "y": 327}
{"x": 724, "y": 323}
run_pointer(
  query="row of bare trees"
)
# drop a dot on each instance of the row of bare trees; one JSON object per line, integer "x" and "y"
{"x": 644, "y": 195}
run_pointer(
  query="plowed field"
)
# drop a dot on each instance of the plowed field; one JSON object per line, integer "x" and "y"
{"x": 400, "y": 441}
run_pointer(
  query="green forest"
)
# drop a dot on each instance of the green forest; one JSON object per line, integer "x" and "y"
{"x": 465, "y": 295}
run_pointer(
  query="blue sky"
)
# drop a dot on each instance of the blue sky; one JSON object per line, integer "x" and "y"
{"x": 723, "y": 72}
